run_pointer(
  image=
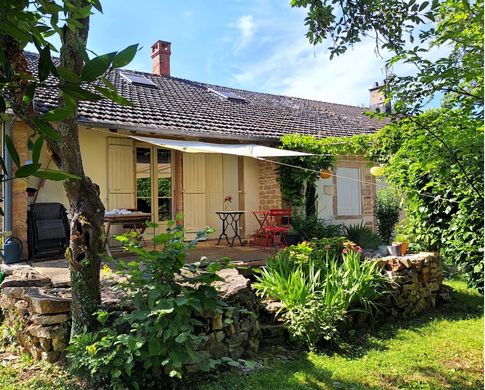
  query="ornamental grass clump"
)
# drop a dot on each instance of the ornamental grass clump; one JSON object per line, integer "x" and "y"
{"x": 318, "y": 293}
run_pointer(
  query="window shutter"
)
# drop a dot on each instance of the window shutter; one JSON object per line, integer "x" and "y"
{"x": 121, "y": 181}
{"x": 348, "y": 191}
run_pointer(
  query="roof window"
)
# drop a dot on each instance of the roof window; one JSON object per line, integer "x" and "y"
{"x": 138, "y": 80}
{"x": 227, "y": 95}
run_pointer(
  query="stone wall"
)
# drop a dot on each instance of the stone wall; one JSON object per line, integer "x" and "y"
{"x": 37, "y": 312}
{"x": 417, "y": 282}
{"x": 268, "y": 186}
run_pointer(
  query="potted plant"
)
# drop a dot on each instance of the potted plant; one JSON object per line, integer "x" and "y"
{"x": 404, "y": 241}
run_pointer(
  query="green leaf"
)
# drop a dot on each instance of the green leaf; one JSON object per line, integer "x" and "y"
{"x": 45, "y": 63}
{"x": 3, "y": 106}
{"x": 14, "y": 31}
{"x": 68, "y": 75}
{"x": 46, "y": 129}
{"x": 154, "y": 347}
{"x": 125, "y": 56}
{"x": 12, "y": 151}
{"x": 50, "y": 174}
{"x": 78, "y": 93}
{"x": 27, "y": 170}
{"x": 36, "y": 149}
{"x": 97, "y": 67}
{"x": 57, "y": 114}
{"x": 114, "y": 96}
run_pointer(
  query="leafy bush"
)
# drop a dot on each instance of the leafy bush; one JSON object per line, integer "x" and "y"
{"x": 436, "y": 160}
{"x": 312, "y": 227}
{"x": 386, "y": 211}
{"x": 156, "y": 338}
{"x": 317, "y": 291}
{"x": 363, "y": 236}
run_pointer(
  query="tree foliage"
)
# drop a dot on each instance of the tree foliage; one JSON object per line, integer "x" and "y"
{"x": 76, "y": 76}
{"x": 434, "y": 157}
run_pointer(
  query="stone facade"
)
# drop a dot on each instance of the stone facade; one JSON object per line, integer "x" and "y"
{"x": 268, "y": 186}
{"x": 21, "y": 133}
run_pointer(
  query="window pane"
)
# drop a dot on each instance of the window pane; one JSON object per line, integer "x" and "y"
{"x": 143, "y": 180}
{"x": 164, "y": 209}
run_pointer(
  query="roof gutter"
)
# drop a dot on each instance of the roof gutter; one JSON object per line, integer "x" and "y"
{"x": 175, "y": 132}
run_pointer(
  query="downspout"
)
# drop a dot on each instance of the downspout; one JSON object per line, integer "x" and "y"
{"x": 7, "y": 184}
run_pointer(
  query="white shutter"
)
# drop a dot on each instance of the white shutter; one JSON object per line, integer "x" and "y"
{"x": 121, "y": 176}
{"x": 194, "y": 187}
{"x": 348, "y": 191}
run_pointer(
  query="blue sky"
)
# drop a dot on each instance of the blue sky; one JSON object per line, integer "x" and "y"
{"x": 258, "y": 45}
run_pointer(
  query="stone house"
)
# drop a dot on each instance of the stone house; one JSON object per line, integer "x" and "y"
{"x": 125, "y": 150}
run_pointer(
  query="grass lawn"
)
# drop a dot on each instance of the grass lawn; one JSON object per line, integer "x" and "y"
{"x": 440, "y": 350}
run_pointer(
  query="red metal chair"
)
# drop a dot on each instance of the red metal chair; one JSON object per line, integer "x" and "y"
{"x": 278, "y": 226}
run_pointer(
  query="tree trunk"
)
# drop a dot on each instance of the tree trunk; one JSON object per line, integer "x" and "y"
{"x": 87, "y": 210}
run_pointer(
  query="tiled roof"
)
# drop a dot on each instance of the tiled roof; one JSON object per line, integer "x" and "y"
{"x": 183, "y": 107}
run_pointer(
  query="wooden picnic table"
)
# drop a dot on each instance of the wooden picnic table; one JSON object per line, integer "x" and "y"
{"x": 134, "y": 219}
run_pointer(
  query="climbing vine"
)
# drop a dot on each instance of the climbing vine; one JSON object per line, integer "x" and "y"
{"x": 298, "y": 186}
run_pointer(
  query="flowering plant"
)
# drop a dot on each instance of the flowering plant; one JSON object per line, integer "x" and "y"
{"x": 227, "y": 202}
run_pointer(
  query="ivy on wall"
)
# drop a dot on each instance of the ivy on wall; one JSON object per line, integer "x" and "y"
{"x": 298, "y": 186}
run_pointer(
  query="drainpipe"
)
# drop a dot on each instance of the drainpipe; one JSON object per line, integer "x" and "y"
{"x": 7, "y": 185}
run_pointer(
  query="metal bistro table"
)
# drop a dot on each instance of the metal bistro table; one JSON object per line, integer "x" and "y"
{"x": 231, "y": 219}
{"x": 134, "y": 219}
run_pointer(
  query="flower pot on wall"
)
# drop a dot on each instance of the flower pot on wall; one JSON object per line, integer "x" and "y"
{"x": 383, "y": 250}
{"x": 404, "y": 247}
{"x": 395, "y": 249}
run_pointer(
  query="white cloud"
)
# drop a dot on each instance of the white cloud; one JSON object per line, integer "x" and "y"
{"x": 295, "y": 68}
{"x": 247, "y": 27}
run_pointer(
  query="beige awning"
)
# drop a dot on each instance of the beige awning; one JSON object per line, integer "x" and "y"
{"x": 247, "y": 150}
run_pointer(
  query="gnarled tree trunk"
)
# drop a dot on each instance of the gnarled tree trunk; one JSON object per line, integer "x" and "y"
{"x": 86, "y": 208}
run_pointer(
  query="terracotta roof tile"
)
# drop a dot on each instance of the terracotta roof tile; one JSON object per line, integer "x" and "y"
{"x": 180, "y": 106}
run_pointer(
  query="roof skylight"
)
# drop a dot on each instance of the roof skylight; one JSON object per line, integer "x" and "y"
{"x": 227, "y": 95}
{"x": 138, "y": 80}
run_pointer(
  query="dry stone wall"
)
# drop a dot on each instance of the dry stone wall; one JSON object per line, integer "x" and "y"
{"x": 37, "y": 315}
{"x": 417, "y": 282}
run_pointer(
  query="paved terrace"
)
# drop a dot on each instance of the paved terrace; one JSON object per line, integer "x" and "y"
{"x": 248, "y": 255}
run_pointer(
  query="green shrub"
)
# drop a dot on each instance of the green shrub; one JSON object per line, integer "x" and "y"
{"x": 386, "y": 211}
{"x": 318, "y": 292}
{"x": 363, "y": 236}
{"x": 312, "y": 227}
{"x": 156, "y": 339}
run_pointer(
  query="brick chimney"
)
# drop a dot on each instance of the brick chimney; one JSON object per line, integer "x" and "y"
{"x": 378, "y": 97}
{"x": 161, "y": 58}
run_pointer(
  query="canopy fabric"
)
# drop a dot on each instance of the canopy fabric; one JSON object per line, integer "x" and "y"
{"x": 247, "y": 150}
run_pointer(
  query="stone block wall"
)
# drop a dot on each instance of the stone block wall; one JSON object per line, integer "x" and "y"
{"x": 268, "y": 186}
{"x": 417, "y": 282}
{"x": 38, "y": 314}
{"x": 235, "y": 332}
{"x": 21, "y": 133}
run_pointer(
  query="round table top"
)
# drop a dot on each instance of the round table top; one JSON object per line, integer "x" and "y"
{"x": 230, "y": 212}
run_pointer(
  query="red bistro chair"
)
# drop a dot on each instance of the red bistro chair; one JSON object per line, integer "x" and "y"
{"x": 278, "y": 226}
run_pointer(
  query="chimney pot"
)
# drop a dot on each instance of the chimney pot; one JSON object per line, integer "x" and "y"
{"x": 161, "y": 58}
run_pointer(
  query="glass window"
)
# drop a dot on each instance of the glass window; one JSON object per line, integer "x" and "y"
{"x": 143, "y": 180}
{"x": 164, "y": 179}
